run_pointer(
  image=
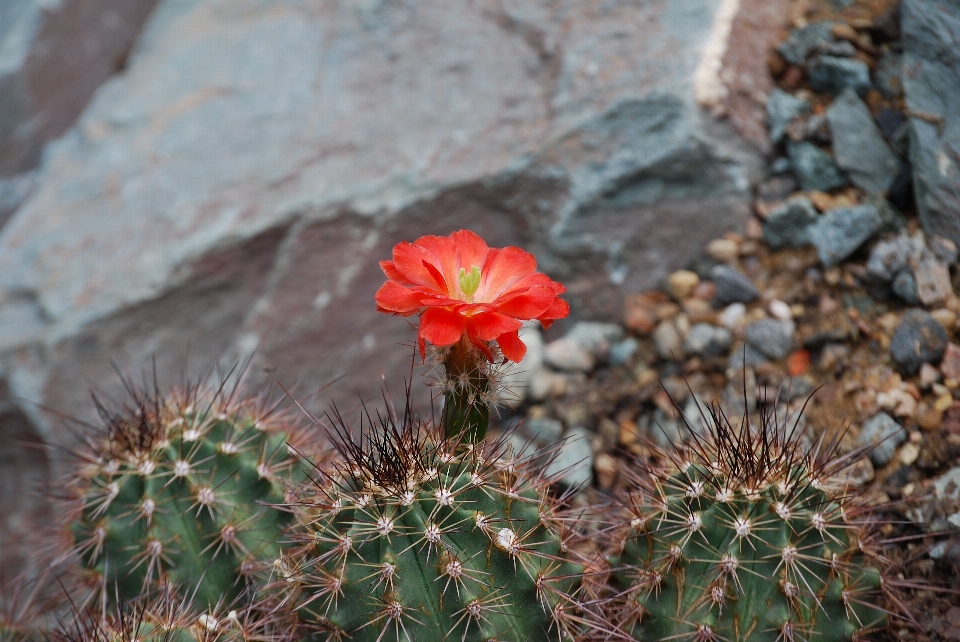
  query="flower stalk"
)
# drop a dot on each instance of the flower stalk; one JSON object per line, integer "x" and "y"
{"x": 465, "y": 413}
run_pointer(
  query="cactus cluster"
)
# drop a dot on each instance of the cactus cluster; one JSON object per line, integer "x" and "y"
{"x": 178, "y": 490}
{"x": 415, "y": 536}
{"x": 746, "y": 535}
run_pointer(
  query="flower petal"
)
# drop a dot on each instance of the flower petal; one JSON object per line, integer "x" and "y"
{"x": 441, "y": 327}
{"x": 396, "y": 299}
{"x": 393, "y": 273}
{"x": 479, "y": 343}
{"x": 502, "y": 270}
{"x": 441, "y": 253}
{"x": 409, "y": 259}
{"x": 471, "y": 250}
{"x": 490, "y": 325}
{"x": 559, "y": 310}
{"x": 511, "y": 346}
{"x": 529, "y": 304}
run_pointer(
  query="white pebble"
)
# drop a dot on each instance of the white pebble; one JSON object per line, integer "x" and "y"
{"x": 781, "y": 310}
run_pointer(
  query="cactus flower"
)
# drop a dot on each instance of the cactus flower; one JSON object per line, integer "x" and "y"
{"x": 463, "y": 289}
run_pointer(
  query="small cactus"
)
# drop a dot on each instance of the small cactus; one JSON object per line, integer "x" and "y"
{"x": 176, "y": 490}
{"x": 745, "y": 534}
{"x": 418, "y": 537}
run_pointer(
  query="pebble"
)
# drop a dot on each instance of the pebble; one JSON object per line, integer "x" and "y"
{"x": 732, "y": 285}
{"x": 950, "y": 365}
{"x": 733, "y": 315}
{"x": 596, "y": 337}
{"x": 885, "y": 434}
{"x": 723, "y": 250}
{"x": 574, "y": 460}
{"x": 706, "y": 340}
{"x": 606, "y": 470}
{"x": 639, "y": 312}
{"x": 804, "y": 40}
{"x": 832, "y": 74}
{"x": 568, "y": 354}
{"x": 518, "y": 377}
{"x": 771, "y": 337}
{"x": 858, "y": 473}
{"x": 682, "y": 283}
{"x": 781, "y": 109}
{"x": 905, "y": 287}
{"x": 698, "y": 310}
{"x": 933, "y": 280}
{"x": 705, "y": 290}
{"x": 917, "y": 340}
{"x": 947, "y": 485}
{"x": 909, "y": 454}
{"x": 814, "y": 168}
{"x": 780, "y": 310}
{"x": 888, "y": 257}
{"x": 622, "y": 352}
{"x": 667, "y": 341}
{"x": 930, "y": 375}
{"x": 546, "y": 431}
{"x": 888, "y": 74}
{"x": 858, "y": 144}
{"x": 786, "y": 226}
{"x": 928, "y": 418}
{"x": 943, "y": 248}
{"x": 839, "y": 232}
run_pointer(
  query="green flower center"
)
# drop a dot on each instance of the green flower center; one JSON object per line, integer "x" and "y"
{"x": 469, "y": 281}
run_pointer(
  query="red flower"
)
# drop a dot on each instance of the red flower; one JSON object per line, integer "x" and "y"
{"x": 460, "y": 287}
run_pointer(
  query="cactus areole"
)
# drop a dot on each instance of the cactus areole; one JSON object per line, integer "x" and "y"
{"x": 471, "y": 299}
{"x": 746, "y": 536}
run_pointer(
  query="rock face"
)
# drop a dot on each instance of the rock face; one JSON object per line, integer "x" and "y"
{"x": 235, "y": 187}
{"x": 931, "y": 83}
{"x": 53, "y": 56}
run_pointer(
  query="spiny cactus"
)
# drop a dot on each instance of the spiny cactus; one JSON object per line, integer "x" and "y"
{"x": 747, "y": 535}
{"x": 178, "y": 490}
{"x": 418, "y": 537}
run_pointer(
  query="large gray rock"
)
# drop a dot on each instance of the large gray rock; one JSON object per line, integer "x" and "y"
{"x": 931, "y": 83}
{"x": 858, "y": 145}
{"x": 208, "y": 208}
{"x": 53, "y": 56}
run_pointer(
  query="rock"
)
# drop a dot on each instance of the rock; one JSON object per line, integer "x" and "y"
{"x": 544, "y": 431}
{"x": 893, "y": 220}
{"x": 573, "y": 464}
{"x": 780, "y": 310}
{"x": 745, "y": 355}
{"x": 596, "y": 338}
{"x": 905, "y": 287}
{"x": 943, "y": 248}
{"x": 891, "y": 256}
{"x": 814, "y": 168}
{"x": 668, "y": 341}
{"x": 518, "y": 377}
{"x": 681, "y": 283}
{"x": 842, "y": 49}
{"x": 931, "y": 83}
{"x": 723, "y": 250}
{"x": 885, "y": 434}
{"x": 771, "y": 337}
{"x": 786, "y": 226}
{"x": 932, "y": 280}
{"x": 947, "y": 485}
{"x": 950, "y": 365}
{"x": 568, "y": 354}
{"x": 206, "y": 209}
{"x": 622, "y": 352}
{"x": 831, "y": 75}
{"x": 781, "y": 109}
{"x": 887, "y": 74}
{"x": 706, "y": 340}
{"x": 733, "y": 315}
{"x": 53, "y": 56}
{"x": 839, "y": 232}
{"x": 858, "y": 145}
{"x": 801, "y": 42}
{"x": 14, "y": 190}
{"x": 733, "y": 286}
{"x": 890, "y": 122}
{"x": 917, "y": 340}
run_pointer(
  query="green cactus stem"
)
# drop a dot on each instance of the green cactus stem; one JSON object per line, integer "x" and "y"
{"x": 466, "y": 409}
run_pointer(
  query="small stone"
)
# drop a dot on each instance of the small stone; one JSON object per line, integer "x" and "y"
{"x": 905, "y": 287}
{"x": 628, "y": 434}
{"x": 889, "y": 257}
{"x": 786, "y": 226}
{"x": 932, "y": 279}
{"x": 706, "y": 340}
{"x": 885, "y": 434}
{"x": 698, "y": 310}
{"x": 668, "y": 341}
{"x": 946, "y": 317}
{"x": 858, "y": 145}
{"x": 545, "y": 431}
{"x": 930, "y": 375}
{"x": 780, "y": 310}
{"x": 595, "y": 337}
{"x": 781, "y": 109}
{"x": 803, "y": 41}
{"x": 814, "y": 168}
{"x": 574, "y": 460}
{"x": 622, "y": 352}
{"x": 918, "y": 339}
{"x": 606, "y": 470}
{"x": 568, "y": 354}
{"x": 821, "y": 200}
{"x": 732, "y": 285}
{"x": 859, "y": 473}
{"x": 947, "y": 485}
{"x": 771, "y": 337}
{"x": 943, "y": 248}
{"x": 843, "y": 31}
{"x": 909, "y": 454}
{"x": 831, "y": 75}
{"x": 839, "y": 232}
{"x": 950, "y": 365}
{"x": 682, "y": 283}
{"x": 723, "y": 250}
{"x": 639, "y": 312}
{"x": 733, "y": 315}
{"x": 888, "y": 74}
{"x": 705, "y": 290}
{"x": 842, "y": 49}
{"x": 928, "y": 418}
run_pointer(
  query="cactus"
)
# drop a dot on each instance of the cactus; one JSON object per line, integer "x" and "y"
{"x": 747, "y": 535}
{"x": 418, "y": 537}
{"x": 176, "y": 490}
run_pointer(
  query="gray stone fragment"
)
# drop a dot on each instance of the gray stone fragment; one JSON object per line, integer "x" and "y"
{"x": 545, "y": 431}
{"x": 885, "y": 434}
{"x": 745, "y": 355}
{"x": 943, "y": 248}
{"x": 888, "y": 257}
{"x": 574, "y": 460}
{"x": 667, "y": 340}
{"x": 858, "y": 145}
{"x": 839, "y": 232}
{"x": 622, "y": 351}
{"x": 947, "y": 485}
{"x": 931, "y": 83}
{"x": 781, "y": 109}
{"x": 893, "y": 219}
{"x": 814, "y": 168}
{"x": 905, "y": 287}
{"x": 568, "y": 354}
{"x": 707, "y": 340}
{"x": 831, "y": 75}
{"x": 786, "y": 226}
{"x": 841, "y": 49}
{"x": 804, "y": 40}
{"x": 887, "y": 74}
{"x": 733, "y": 286}
{"x": 932, "y": 278}
{"x": 919, "y": 339}
{"x": 770, "y": 337}
{"x": 596, "y": 337}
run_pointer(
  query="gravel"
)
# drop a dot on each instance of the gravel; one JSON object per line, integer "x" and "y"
{"x": 733, "y": 286}
{"x": 885, "y": 434}
{"x": 917, "y": 340}
{"x": 840, "y": 231}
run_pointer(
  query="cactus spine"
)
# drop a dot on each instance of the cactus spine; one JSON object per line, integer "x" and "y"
{"x": 746, "y": 536}
{"x": 177, "y": 490}
{"x": 418, "y": 537}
